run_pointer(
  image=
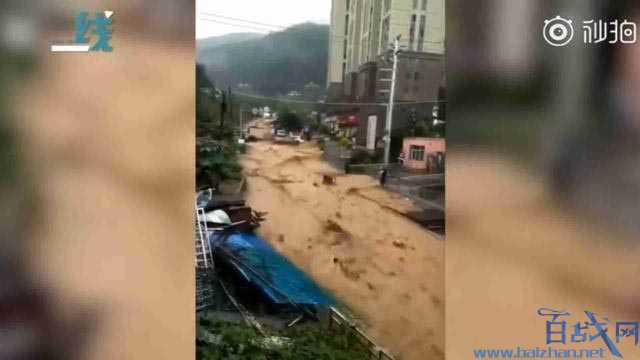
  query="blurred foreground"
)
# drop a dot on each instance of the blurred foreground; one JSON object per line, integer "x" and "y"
{"x": 104, "y": 189}
{"x": 543, "y": 191}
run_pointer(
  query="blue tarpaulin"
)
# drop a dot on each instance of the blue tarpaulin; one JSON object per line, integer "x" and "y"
{"x": 274, "y": 275}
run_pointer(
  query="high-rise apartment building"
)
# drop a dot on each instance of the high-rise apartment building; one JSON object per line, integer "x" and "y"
{"x": 362, "y": 32}
{"x": 337, "y": 45}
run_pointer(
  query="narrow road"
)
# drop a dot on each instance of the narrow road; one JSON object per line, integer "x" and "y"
{"x": 353, "y": 239}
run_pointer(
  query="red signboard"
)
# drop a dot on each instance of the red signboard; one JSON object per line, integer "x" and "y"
{"x": 348, "y": 120}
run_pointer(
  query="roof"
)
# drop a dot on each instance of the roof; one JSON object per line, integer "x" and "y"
{"x": 273, "y": 274}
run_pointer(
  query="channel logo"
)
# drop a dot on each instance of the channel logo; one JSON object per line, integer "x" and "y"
{"x": 100, "y": 26}
{"x": 558, "y": 31}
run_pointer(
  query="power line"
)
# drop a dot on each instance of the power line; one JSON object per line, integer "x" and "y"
{"x": 243, "y": 20}
{"x": 275, "y": 27}
{"x": 236, "y": 25}
{"x": 252, "y": 27}
{"x": 304, "y": 37}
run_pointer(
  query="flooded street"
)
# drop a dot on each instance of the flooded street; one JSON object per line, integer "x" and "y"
{"x": 353, "y": 240}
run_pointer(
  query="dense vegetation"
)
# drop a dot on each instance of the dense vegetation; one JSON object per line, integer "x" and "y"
{"x": 226, "y": 341}
{"x": 274, "y": 64}
{"x": 290, "y": 121}
{"x": 216, "y": 147}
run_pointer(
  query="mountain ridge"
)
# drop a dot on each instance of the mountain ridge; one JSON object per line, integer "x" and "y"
{"x": 273, "y": 64}
{"x": 215, "y": 41}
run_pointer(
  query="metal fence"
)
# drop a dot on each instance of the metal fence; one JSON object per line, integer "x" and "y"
{"x": 339, "y": 321}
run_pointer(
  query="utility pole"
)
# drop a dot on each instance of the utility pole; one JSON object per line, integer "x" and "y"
{"x": 392, "y": 93}
{"x": 241, "y": 116}
{"x": 230, "y": 106}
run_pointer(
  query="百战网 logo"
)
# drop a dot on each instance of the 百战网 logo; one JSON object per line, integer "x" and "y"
{"x": 91, "y": 33}
{"x": 592, "y": 328}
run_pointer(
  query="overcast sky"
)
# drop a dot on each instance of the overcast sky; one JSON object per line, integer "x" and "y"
{"x": 282, "y": 13}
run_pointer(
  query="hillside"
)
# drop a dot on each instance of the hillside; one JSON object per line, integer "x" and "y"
{"x": 212, "y": 42}
{"x": 274, "y": 64}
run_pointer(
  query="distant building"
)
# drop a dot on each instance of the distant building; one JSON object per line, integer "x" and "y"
{"x": 360, "y": 37}
{"x": 337, "y": 48}
{"x": 359, "y": 69}
{"x": 425, "y": 154}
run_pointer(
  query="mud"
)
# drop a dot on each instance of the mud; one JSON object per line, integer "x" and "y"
{"x": 345, "y": 241}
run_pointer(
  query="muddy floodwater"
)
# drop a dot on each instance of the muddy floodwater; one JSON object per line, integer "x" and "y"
{"x": 353, "y": 240}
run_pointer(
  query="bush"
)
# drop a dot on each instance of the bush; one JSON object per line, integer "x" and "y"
{"x": 290, "y": 122}
{"x": 324, "y": 129}
{"x": 221, "y": 341}
{"x": 345, "y": 143}
{"x": 216, "y": 162}
{"x": 366, "y": 157}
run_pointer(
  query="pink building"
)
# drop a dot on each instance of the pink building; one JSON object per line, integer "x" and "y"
{"x": 419, "y": 153}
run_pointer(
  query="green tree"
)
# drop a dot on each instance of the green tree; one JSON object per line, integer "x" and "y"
{"x": 312, "y": 91}
{"x": 290, "y": 121}
{"x": 204, "y": 92}
{"x": 216, "y": 147}
{"x": 223, "y": 341}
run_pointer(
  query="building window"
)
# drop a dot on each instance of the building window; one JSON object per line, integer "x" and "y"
{"x": 417, "y": 76}
{"x": 423, "y": 25}
{"x": 424, "y": 4}
{"x": 415, "y": 4}
{"x": 384, "y": 39}
{"x": 412, "y": 29}
{"x": 344, "y": 49}
{"x": 416, "y": 153}
{"x": 365, "y": 21}
{"x": 348, "y": 5}
{"x": 346, "y": 25}
{"x": 387, "y": 5}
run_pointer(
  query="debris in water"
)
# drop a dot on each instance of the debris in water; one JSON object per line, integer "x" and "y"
{"x": 399, "y": 244}
{"x": 370, "y": 286}
{"x": 328, "y": 180}
{"x": 333, "y": 226}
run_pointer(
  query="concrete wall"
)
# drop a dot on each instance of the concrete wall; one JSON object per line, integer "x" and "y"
{"x": 419, "y": 77}
{"x": 431, "y": 146}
